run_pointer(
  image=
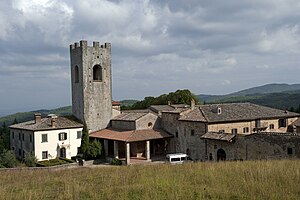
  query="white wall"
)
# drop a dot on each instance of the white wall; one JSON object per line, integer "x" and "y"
{"x": 54, "y": 144}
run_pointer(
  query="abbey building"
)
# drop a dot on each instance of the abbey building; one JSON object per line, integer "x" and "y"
{"x": 236, "y": 131}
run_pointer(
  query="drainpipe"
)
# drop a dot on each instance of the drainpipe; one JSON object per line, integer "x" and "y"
{"x": 206, "y": 156}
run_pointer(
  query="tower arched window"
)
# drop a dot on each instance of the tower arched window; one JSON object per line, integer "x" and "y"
{"x": 97, "y": 73}
{"x": 76, "y": 74}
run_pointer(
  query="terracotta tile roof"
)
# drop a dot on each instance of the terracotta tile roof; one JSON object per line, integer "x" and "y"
{"x": 235, "y": 112}
{"x": 218, "y": 136}
{"x": 45, "y": 124}
{"x": 160, "y": 108}
{"x": 130, "y": 136}
{"x": 130, "y": 116}
{"x": 169, "y": 108}
{"x": 116, "y": 103}
{"x": 193, "y": 115}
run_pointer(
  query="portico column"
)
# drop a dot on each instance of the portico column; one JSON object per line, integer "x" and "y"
{"x": 116, "y": 149}
{"x": 106, "y": 147}
{"x": 128, "y": 153}
{"x": 148, "y": 150}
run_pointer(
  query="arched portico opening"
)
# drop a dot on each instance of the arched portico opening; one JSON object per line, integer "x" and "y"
{"x": 221, "y": 155}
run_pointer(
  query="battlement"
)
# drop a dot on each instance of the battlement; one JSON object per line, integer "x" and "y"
{"x": 84, "y": 44}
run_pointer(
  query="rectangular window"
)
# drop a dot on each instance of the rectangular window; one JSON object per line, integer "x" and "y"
{"x": 44, "y": 138}
{"x": 79, "y": 134}
{"x": 62, "y": 136}
{"x": 290, "y": 151}
{"x": 234, "y": 131}
{"x": 13, "y": 135}
{"x": 19, "y": 152}
{"x": 176, "y": 134}
{"x": 192, "y": 132}
{"x": 281, "y": 123}
{"x": 30, "y": 138}
{"x": 257, "y": 123}
{"x": 246, "y": 130}
{"x": 44, "y": 154}
{"x": 23, "y": 136}
{"x": 271, "y": 126}
{"x": 19, "y": 136}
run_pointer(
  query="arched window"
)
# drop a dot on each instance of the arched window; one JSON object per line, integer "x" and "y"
{"x": 97, "y": 73}
{"x": 76, "y": 74}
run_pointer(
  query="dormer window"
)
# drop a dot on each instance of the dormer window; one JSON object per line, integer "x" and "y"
{"x": 219, "y": 111}
{"x": 150, "y": 125}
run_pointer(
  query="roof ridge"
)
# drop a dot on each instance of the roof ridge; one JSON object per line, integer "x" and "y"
{"x": 203, "y": 114}
{"x": 130, "y": 135}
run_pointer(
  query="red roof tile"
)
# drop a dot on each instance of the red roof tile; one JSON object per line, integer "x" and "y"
{"x": 130, "y": 136}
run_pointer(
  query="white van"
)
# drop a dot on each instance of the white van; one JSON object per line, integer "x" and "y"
{"x": 177, "y": 158}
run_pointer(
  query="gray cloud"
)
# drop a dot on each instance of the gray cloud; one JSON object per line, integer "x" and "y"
{"x": 158, "y": 46}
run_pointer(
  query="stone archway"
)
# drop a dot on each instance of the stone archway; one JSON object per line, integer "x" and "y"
{"x": 221, "y": 155}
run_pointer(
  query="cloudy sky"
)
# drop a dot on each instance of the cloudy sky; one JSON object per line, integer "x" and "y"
{"x": 207, "y": 46}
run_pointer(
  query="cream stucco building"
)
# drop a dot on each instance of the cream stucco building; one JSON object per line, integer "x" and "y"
{"x": 47, "y": 138}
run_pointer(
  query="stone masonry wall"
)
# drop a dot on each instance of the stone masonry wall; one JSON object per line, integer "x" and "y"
{"x": 227, "y": 127}
{"x": 257, "y": 146}
{"x": 91, "y": 100}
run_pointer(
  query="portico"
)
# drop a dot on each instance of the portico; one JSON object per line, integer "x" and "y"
{"x": 136, "y": 144}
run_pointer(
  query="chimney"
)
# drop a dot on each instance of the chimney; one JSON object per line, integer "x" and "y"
{"x": 53, "y": 122}
{"x": 37, "y": 118}
{"x": 192, "y": 104}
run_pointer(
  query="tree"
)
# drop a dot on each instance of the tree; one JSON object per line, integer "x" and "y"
{"x": 90, "y": 150}
{"x": 30, "y": 159}
{"x": 178, "y": 97}
{"x": 4, "y": 137}
{"x": 95, "y": 149}
{"x": 8, "y": 159}
{"x": 84, "y": 147}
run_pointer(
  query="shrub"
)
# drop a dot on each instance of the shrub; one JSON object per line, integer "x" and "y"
{"x": 67, "y": 160}
{"x": 116, "y": 161}
{"x": 30, "y": 159}
{"x": 8, "y": 159}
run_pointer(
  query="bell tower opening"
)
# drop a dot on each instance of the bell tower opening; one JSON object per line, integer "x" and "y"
{"x": 97, "y": 73}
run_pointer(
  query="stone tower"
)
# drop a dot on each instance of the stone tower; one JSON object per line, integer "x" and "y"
{"x": 91, "y": 84}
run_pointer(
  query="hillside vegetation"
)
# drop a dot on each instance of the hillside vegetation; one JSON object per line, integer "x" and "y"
{"x": 26, "y": 116}
{"x": 281, "y": 96}
{"x": 224, "y": 180}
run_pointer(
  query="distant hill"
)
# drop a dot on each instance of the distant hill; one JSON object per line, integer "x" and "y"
{"x": 282, "y": 96}
{"x": 264, "y": 89}
{"x": 63, "y": 111}
{"x": 26, "y": 116}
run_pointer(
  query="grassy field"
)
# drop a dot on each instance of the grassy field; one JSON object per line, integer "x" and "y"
{"x": 226, "y": 180}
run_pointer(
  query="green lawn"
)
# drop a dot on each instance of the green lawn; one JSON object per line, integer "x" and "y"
{"x": 226, "y": 180}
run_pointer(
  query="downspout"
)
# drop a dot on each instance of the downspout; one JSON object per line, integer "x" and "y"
{"x": 206, "y": 156}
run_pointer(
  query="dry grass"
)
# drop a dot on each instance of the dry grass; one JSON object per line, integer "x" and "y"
{"x": 227, "y": 180}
